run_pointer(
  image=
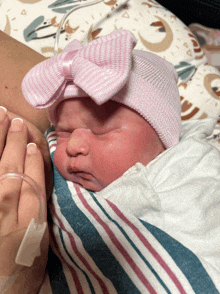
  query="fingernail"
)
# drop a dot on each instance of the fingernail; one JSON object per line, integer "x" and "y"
{"x": 3, "y": 112}
{"x": 31, "y": 148}
{"x": 16, "y": 124}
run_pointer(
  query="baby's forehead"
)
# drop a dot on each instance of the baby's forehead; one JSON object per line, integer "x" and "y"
{"x": 86, "y": 108}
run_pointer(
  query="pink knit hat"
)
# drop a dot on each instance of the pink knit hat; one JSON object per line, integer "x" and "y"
{"x": 109, "y": 68}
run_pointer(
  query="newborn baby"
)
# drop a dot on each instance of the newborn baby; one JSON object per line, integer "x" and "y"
{"x": 111, "y": 106}
{"x": 116, "y": 109}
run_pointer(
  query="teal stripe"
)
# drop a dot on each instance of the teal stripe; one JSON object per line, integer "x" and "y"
{"x": 73, "y": 261}
{"x": 187, "y": 261}
{"x": 56, "y": 276}
{"x": 92, "y": 241}
{"x": 51, "y": 129}
{"x": 131, "y": 243}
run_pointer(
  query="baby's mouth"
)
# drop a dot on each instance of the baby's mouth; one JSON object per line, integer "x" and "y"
{"x": 85, "y": 180}
{"x": 77, "y": 171}
{"x": 84, "y": 175}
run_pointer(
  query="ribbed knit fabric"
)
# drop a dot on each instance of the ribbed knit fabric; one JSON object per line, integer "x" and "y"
{"x": 109, "y": 68}
{"x": 100, "y": 69}
{"x": 152, "y": 91}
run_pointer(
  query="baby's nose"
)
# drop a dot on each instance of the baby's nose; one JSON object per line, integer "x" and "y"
{"x": 77, "y": 144}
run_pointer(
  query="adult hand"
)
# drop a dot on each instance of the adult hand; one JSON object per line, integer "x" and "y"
{"x": 18, "y": 205}
{"x": 36, "y": 136}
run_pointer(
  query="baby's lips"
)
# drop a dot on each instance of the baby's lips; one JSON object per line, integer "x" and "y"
{"x": 77, "y": 164}
{"x": 83, "y": 175}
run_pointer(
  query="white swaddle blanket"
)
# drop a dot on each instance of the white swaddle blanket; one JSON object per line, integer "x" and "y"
{"x": 154, "y": 230}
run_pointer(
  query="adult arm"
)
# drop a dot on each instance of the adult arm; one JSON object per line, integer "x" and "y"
{"x": 18, "y": 205}
{"x": 16, "y": 60}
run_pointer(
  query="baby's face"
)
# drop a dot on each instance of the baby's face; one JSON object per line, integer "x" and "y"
{"x": 97, "y": 144}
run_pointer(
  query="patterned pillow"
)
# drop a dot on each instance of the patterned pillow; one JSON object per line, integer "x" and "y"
{"x": 35, "y": 22}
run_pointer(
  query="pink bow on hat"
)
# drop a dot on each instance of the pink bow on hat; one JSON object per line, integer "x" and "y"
{"x": 100, "y": 69}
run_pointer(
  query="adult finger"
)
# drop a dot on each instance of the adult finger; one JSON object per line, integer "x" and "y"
{"x": 4, "y": 124}
{"x": 35, "y": 136}
{"x": 13, "y": 156}
{"x": 28, "y": 204}
{"x": 12, "y": 160}
{"x": 10, "y": 190}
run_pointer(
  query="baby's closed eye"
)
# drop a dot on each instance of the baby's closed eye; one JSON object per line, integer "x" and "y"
{"x": 105, "y": 130}
{"x": 101, "y": 130}
{"x": 63, "y": 134}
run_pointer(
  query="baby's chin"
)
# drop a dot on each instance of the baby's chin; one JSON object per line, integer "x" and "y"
{"x": 89, "y": 185}
{"x": 87, "y": 181}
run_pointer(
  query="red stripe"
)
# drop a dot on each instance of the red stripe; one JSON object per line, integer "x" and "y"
{"x": 52, "y": 145}
{"x": 80, "y": 256}
{"x": 52, "y": 138}
{"x": 57, "y": 251}
{"x": 143, "y": 239}
{"x": 115, "y": 241}
{"x": 76, "y": 280}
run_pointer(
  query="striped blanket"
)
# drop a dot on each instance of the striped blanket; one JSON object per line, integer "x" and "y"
{"x": 96, "y": 247}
